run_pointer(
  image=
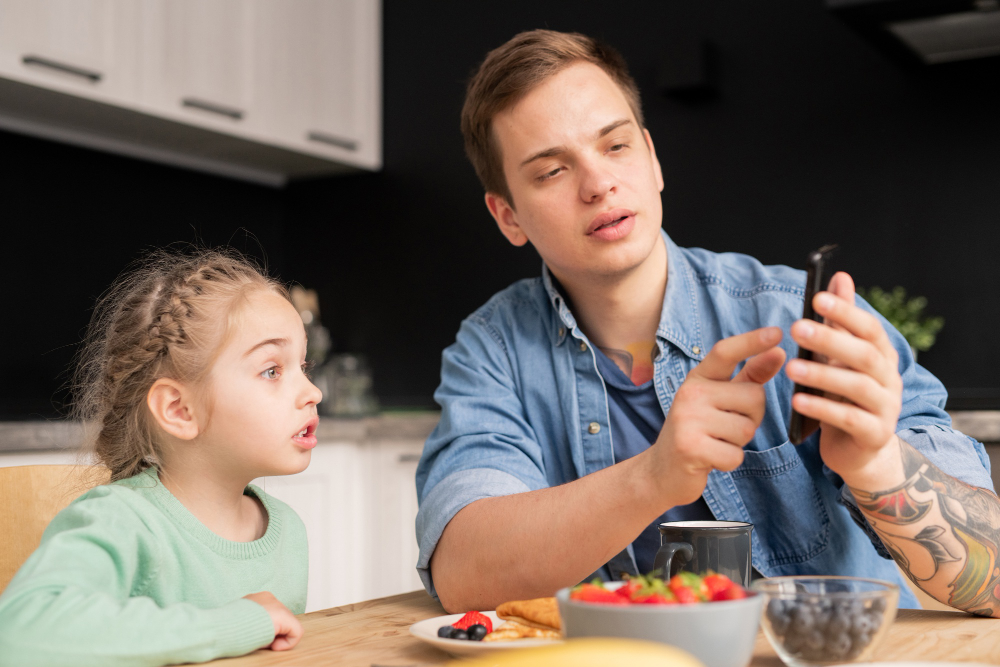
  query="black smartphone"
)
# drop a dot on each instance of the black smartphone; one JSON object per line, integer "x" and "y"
{"x": 801, "y": 427}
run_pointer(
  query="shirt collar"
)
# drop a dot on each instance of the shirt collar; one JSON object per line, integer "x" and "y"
{"x": 680, "y": 323}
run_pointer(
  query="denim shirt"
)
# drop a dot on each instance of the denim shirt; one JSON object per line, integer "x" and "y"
{"x": 523, "y": 407}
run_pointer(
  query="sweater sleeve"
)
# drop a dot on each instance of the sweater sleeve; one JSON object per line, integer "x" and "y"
{"x": 73, "y": 602}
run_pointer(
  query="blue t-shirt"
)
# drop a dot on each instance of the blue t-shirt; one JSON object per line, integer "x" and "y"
{"x": 636, "y": 420}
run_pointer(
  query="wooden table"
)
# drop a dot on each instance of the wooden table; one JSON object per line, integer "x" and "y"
{"x": 377, "y": 632}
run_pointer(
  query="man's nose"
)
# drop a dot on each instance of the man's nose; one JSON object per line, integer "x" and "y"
{"x": 596, "y": 181}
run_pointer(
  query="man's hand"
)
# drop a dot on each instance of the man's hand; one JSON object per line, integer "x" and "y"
{"x": 714, "y": 414}
{"x": 863, "y": 399}
{"x": 287, "y": 629}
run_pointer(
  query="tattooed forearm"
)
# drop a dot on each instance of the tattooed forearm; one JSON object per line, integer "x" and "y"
{"x": 944, "y": 534}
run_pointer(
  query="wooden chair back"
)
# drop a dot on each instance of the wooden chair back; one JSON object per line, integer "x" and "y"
{"x": 30, "y": 496}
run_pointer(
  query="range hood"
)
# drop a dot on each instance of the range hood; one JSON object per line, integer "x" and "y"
{"x": 927, "y": 32}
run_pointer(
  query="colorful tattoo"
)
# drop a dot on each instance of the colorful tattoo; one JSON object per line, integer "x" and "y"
{"x": 959, "y": 523}
{"x": 636, "y": 360}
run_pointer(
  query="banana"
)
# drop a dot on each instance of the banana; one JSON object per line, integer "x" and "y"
{"x": 588, "y": 652}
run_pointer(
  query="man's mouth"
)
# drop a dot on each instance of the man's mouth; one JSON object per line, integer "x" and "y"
{"x": 609, "y": 219}
{"x": 613, "y": 223}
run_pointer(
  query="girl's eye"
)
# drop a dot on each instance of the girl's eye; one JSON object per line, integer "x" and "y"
{"x": 271, "y": 373}
{"x": 307, "y": 368}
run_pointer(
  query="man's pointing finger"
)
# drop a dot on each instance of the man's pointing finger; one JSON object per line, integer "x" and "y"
{"x": 722, "y": 359}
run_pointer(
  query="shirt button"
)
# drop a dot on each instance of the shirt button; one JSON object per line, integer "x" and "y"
{"x": 583, "y": 347}
{"x": 696, "y": 350}
{"x": 594, "y": 428}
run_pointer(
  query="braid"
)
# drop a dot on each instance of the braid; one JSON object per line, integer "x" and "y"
{"x": 165, "y": 317}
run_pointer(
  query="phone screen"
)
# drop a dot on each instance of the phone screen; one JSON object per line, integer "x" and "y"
{"x": 801, "y": 427}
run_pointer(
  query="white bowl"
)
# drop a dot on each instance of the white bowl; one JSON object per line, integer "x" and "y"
{"x": 720, "y": 634}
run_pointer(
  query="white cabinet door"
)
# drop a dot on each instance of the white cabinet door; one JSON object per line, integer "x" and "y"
{"x": 318, "y": 66}
{"x": 82, "y": 47}
{"x": 198, "y": 61}
{"x": 392, "y": 540}
{"x": 330, "y": 497}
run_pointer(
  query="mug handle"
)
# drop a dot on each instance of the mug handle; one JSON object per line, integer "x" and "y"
{"x": 666, "y": 554}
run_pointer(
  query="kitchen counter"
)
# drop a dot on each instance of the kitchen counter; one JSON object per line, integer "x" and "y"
{"x": 56, "y": 435}
{"x": 59, "y": 435}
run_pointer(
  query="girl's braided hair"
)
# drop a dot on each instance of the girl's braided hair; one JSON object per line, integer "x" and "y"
{"x": 167, "y": 315}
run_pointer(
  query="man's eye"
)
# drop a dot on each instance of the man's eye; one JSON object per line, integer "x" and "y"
{"x": 618, "y": 147}
{"x": 550, "y": 174}
{"x": 271, "y": 373}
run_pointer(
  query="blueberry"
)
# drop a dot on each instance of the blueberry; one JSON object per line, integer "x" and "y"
{"x": 802, "y": 619}
{"x": 444, "y": 632}
{"x": 460, "y": 634}
{"x": 838, "y": 646}
{"x": 863, "y": 625}
{"x": 477, "y": 632}
{"x": 815, "y": 641}
{"x": 838, "y": 624}
{"x": 794, "y": 642}
{"x": 878, "y": 604}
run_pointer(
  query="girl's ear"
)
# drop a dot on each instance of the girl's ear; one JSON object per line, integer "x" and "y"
{"x": 172, "y": 406}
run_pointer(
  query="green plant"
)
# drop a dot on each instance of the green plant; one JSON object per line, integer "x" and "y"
{"x": 906, "y": 314}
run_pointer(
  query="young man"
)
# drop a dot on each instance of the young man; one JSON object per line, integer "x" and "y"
{"x": 581, "y": 409}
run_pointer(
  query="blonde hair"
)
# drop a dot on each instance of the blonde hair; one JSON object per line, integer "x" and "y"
{"x": 510, "y": 72}
{"x": 166, "y": 316}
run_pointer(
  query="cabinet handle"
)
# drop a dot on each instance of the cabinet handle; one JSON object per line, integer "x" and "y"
{"x": 62, "y": 67}
{"x": 230, "y": 112}
{"x": 409, "y": 458}
{"x": 324, "y": 138}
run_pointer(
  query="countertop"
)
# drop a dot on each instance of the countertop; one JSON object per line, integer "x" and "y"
{"x": 55, "y": 435}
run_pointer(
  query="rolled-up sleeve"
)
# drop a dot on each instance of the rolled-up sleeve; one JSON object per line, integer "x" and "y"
{"x": 924, "y": 424}
{"x": 483, "y": 446}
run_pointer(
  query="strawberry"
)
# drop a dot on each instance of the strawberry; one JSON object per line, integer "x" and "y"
{"x": 716, "y": 583}
{"x": 688, "y": 587}
{"x": 629, "y": 589}
{"x": 473, "y": 618}
{"x": 595, "y": 593}
{"x": 734, "y": 592}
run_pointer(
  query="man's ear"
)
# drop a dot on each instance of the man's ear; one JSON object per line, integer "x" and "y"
{"x": 656, "y": 162}
{"x": 172, "y": 406}
{"x": 506, "y": 218}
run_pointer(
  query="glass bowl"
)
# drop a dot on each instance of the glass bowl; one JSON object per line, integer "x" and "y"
{"x": 826, "y": 620}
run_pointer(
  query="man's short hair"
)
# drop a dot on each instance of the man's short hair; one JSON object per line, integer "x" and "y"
{"x": 510, "y": 72}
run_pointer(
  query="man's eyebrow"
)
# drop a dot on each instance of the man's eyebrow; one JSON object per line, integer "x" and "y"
{"x": 270, "y": 341}
{"x": 556, "y": 150}
{"x": 611, "y": 127}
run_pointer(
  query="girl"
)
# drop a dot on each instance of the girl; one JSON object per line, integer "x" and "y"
{"x": 193, "y": 376}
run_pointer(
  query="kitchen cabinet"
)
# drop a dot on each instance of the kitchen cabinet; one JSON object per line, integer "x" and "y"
{"x": 197, "y": 61}
{"x": 358, "y": 501}
{"x": 260, "y": 90}
{"x": 314, "y": 59}
{"x": 80, "y": 47}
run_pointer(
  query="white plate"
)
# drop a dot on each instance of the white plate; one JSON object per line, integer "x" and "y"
{"x": 913, "y": 663}
{"x": 428, "y": 631}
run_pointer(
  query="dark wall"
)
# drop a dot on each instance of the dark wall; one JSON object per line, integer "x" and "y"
{"x": 808, "y": 134}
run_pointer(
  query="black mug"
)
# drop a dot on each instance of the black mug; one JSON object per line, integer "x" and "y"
{"x": 697, "y": 546}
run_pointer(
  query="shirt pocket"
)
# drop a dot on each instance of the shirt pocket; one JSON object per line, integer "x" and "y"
{"x": 784, "y": 503}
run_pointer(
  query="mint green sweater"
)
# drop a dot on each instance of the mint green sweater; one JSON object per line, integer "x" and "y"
{"x": 126, "y": 575}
